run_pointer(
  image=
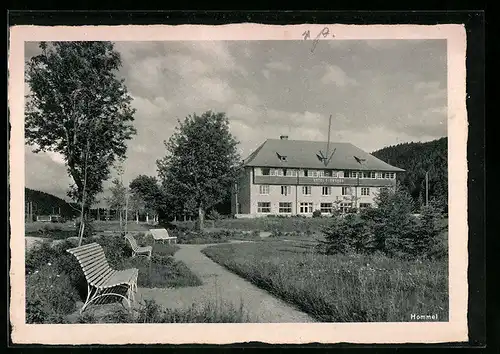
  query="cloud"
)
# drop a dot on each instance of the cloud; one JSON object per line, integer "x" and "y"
{"x": 277, "y": 65}
{"x": 396, "y": 94}
{"x": 334, "y": 74}
{"x": 217, "y": 53}
{"x": 56, "y": 157}
{"x": 430, "y": 90}
{"x": 207, "y": 90}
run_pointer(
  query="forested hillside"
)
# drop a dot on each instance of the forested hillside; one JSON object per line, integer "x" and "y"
{"x": 416, "y": 159}
{"x": 46, "y": 204}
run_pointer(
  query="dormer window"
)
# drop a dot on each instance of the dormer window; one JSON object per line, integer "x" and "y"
{"x": 281, "y": 157}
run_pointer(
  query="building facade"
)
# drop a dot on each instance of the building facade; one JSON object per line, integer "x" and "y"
{"x": 294, "y": 177}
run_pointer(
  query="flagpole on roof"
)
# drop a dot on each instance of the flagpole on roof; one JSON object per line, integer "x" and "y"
{"x": 328, "y": 141}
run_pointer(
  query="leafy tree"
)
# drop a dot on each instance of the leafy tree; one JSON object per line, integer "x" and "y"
{"x": 146, "y": 193}
{"x": 136, "y": 203}
{"x": 201, "y": 162}
{"x": 78, "y": 107}
{"x": 118, "y": 198}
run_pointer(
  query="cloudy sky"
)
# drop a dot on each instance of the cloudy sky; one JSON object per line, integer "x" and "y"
{"x": 379, "y": 93}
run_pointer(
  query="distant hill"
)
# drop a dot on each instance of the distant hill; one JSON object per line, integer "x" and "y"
{"x": 46, "y": 204}
{"x": 416, "y": 159}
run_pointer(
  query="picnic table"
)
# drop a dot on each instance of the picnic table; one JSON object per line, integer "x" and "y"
{"x": 162, "y": 234}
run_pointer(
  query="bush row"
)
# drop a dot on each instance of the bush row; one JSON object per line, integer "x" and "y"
{"x": 391, "y": 228}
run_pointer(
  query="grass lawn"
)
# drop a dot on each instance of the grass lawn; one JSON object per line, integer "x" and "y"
{"x": 271, "y": 224}
{"x": 161, "y": 272}
{"x": 340, "y": 288}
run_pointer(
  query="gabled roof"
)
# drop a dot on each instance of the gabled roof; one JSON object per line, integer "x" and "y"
{"x": 304, "y": 154}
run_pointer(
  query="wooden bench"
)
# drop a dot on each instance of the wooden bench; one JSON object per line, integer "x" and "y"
{"x": 162, "y": 234}
{"x": 136, "y": 249}
{"x": 102, "y": 280}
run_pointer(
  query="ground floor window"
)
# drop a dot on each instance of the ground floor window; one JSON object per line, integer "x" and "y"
{"x": 364, "y": 205}
{"x": 263, "y": 207}
{"x": 326, "y": 207}
{"x": 306, "y": 208}
{"x": 344, "y": 207}
{"x": 285, "y": 207}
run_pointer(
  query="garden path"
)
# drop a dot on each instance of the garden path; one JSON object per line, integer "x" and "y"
{"x": 221, "y": 284}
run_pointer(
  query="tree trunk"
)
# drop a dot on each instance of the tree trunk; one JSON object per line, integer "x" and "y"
{"x": 147, "y": 218}
{"x": 136, "y": 217}
{"x": 201, "y": 218}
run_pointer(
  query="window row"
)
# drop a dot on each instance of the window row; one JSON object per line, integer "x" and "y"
{"x": 289, "y": 172}
{"x": 307, "y": 190}
{"x": 307, "y": 207}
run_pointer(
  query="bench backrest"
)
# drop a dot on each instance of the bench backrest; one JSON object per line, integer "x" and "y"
{"x": 132, "y": 241}
{"x": 93, "y": 262}
{"x": 159, "y": 233}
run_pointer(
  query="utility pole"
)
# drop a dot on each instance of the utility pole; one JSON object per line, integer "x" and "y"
{"x": 236, "y": 198}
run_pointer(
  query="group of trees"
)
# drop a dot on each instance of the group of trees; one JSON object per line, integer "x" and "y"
{"x": 46, "y": 204}
{"x": 143, "y": 196}
{"x": 78, "y": 107}
{"x": 417, "y": 159}
{"x": 391, "y": 228}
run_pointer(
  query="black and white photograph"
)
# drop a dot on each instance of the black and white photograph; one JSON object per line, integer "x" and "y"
{"x": 302, "y": 181}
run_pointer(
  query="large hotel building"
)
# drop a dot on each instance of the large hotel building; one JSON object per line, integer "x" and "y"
{"x": 294, "y": 177}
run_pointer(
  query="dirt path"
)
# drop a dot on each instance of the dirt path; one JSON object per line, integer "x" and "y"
{"x": 219, "y": 283}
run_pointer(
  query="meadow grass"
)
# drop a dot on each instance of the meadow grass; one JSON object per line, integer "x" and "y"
{"x": 340, "y": 288}
{"x": 149, "y": 311}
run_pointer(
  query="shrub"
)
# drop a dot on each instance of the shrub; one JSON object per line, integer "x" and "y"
{"x": 391, "y": 228}
{"x": 165, "y": 249}
{"x": 431, "y": 240}
{"x": 88, "y": 232}
{"x": 348, "y": 234}
{"x": 115, "y": 248}
{"x": 200, "y": 237}
{"x": 39, "y": 256}
{"x": 49, "y": 295}
{"x": 214, "y": 215}
{"x": 316, "y": 213}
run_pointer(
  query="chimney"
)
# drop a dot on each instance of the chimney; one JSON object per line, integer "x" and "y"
{"x": 284, "y": 137}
